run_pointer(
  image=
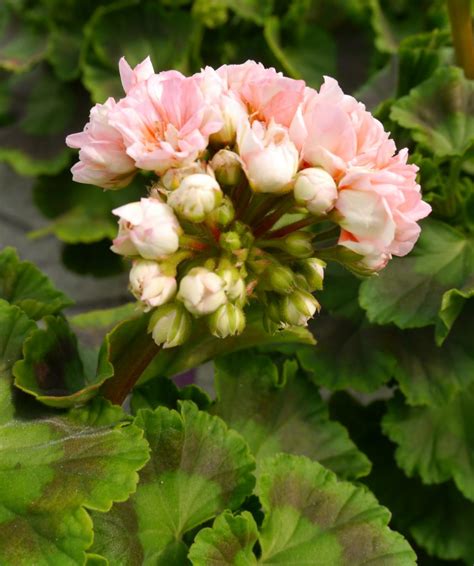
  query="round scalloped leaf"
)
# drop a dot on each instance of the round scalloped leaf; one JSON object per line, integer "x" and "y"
{"x": 23, "y": 284}
{"x": 51, "y": 469}
{"x": 312, "y": 518}
{"x": 437, "y": 517}
{"x": 198, "y": 468}
{"x": 52, "y": 368}
{"x": 349, "y": 353}
{"x": 229, "y": 542}
{"x": 282, "y": 413}
{"x": 435, "y": 442}
{"x": 409, "y": 291}
{"x": 433, "y": 375}
{"x": 15, "y": 327}
{"x": 452, "y": 304}
{"x": 439, "y": 112}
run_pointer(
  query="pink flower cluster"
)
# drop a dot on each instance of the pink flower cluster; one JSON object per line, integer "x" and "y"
{"x": 323, "y": 145}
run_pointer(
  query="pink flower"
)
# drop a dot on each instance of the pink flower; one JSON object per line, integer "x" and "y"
{"x": 267, "y": 94}
{"x": 165, "y": 122}
{"x": 147, "y": 228}
{"x": 131, "y": 77}
{"x": 103, "y": 160}
{"x": 269, "y": 158}
{"x": 379, "y": 210}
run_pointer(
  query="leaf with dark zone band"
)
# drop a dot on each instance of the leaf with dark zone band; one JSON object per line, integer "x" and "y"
{"x": 280, "y": 411}
{"x": 198, "y": 468}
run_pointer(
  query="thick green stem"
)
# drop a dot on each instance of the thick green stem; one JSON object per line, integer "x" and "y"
{"x": 129, "y": 367}
{"x": 462, "y": 34}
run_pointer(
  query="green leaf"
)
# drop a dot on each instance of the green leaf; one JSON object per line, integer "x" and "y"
{"x": 282, "y": 412}
{"x": 22, "y": 44}
{"x": 23, "y": 284}
{"x": 202, "y": 346}
{"x": 136, "y": 29}
{"x": 349, "y": 354}
{"x": 15, "y": 327}
{"x": 81, "y": 213}
{"x": 439, "y": 112}
{"x": 52, "y": 369}
{"x": 53, "y": 468}
{"x": 309, "y": 55}
{"x": 435, "y": 442}
{"x": 311, "y": 517}
{"x": 431, "y": 375}
{"x": 437, "y": 517}
{"x": 40, "y": 107}
{"x": 409, "y": 291}
{"x": 452, "y": 304}
{"x": 162, "y": 392}
{"x": 197, "y": 469}
{"x": 64, "y": 49}
{"x": 228, "y": 542}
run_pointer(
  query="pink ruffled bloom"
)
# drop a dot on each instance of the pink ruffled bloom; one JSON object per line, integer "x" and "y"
{"x": 103, "y": 160}
{"x": 147, "y": 228}
{"x": 165, "y": 121}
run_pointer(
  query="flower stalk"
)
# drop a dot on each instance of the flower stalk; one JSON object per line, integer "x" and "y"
{"x": 462, "y": 34}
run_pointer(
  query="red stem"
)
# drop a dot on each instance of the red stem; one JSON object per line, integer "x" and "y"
{"x": 285, "y": 230}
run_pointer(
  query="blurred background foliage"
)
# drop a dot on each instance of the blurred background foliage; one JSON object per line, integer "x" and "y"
{"x": 57, "y": 57}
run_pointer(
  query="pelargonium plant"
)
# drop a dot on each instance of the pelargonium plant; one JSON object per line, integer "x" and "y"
{"x": 254, "y": 181}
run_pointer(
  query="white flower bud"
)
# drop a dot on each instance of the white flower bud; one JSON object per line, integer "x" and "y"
{"x": 227, "y": 168}
{"x": 150, "y": 285}
{"x": 315, "y": 189}
{"x": 196, "y": 196}
{"x": 173, "y": 177}
{"x": 202, "y": 291}
{"x": 298, "y": 307}
{"x": 228, "y": 320}
{"x": 270, "y": 159}
{"x": 170, "y": 325}
{"x": 313, "y": 271}
{"x": 148, "y": 228}
{"x": 234, "y": 285}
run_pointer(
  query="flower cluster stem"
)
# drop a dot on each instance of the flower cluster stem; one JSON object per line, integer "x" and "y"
{"x": 462, "y": 34}
{"x": 287, "y": 203}
{"x": 289, "y": 228}
{"x": 129, "y": 368}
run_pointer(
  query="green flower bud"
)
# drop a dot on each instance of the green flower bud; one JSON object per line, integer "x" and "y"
{"x": 280, "y": 279}
{"x": 227, "y": 168}
{"x": 234, "y": 284}
{"x": 299, "y": 244}
{"x": 298, "y": 307}
{"x": 230, "y": 241}
{"x": 228, "y": 320}
{"x": 313, "y": 271}
{"x": 170, "y": 325}
{"x": 223, "y": 214}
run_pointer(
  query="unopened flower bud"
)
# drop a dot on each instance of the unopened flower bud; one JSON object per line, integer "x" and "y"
{"x": 298, "y": 307}
{"x": 196, "y": 196}
{"x": 223, "y": 214}
{"x": 298, "y": 244}
{"x": 202, "y": 291}
{"x": 148, "y": 228}
{"x": 173, "y": 177}
{"x": 280, "y": 278}
{"x": 228, "y": 320}
{"x": 234, "y": 285}
{"x": 315, "y": 189}
{"x": 230, "y": 241}
{"x": 227, "y": 168}
{"x": 150, "y": 285}
{"x": 270, "y": 159}
{"x": 313, "y": 271}
{"x": 170, "y": 325}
